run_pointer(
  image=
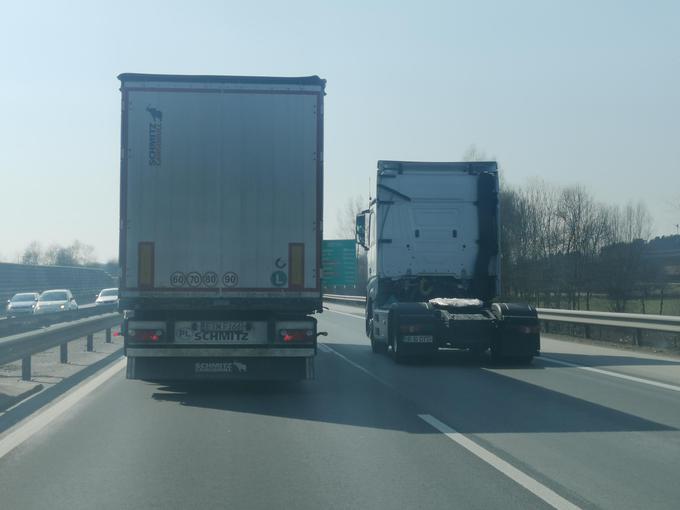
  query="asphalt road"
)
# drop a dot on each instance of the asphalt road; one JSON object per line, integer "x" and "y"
{"x": 362, "y": 436}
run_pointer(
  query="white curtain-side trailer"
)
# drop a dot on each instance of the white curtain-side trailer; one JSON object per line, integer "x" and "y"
{"x": 220, "y": 225}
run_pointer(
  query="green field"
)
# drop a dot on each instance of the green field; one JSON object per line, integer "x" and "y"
{"x": 599, "y": 303}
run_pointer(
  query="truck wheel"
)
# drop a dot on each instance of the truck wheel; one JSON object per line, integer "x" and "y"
{"x": 479, "y": 352}
{"x": 377, "y": 347}
{"x": 369, "y": 317}
{"x": 397, "y": 356}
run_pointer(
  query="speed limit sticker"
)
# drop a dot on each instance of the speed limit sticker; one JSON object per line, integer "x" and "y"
{"x": 178, "y": 279}
{"x": 230, "y": 279}
{"x": 194, "y": 279}
{"x": 210, "y": 279}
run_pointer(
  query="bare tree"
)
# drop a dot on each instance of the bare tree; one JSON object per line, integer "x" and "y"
{"x": 347, "y": 217}
{"x": 77, "y": 254}
{"x": 32, "y": 254}
{"x": 473, "y": 153}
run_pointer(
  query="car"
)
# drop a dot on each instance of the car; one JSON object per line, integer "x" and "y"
{"x": 107, "y": 297}
{"x": 55, "y": 300}
{"x": 22, "y": 303}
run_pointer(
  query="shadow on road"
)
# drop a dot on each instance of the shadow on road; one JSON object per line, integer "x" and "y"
{"x": 455, "y": 390}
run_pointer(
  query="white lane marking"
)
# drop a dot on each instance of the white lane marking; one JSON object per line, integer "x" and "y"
{"x": 348, "y": 314}
{"x": 519, "y": 477}
{"x": 532, "y": 485}
{"x": 650, "y": 382}
{"x": 36, "y": 423}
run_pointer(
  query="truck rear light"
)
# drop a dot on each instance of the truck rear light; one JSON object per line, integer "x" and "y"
{"x": 146, "y": 335}
{"x": 146, "y": 331}
{"x": 296, "y": 335}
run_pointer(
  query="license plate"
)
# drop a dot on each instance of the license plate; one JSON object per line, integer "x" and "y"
{"x": 220, "y": 332}
{"x": 417, "y": 339}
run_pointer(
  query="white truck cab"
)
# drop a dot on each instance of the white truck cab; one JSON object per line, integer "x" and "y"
{"x": 432, "y": 236}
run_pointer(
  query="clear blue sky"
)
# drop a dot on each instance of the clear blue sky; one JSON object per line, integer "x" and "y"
{"x": 572, "y": 91}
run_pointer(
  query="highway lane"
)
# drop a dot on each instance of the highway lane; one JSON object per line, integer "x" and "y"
{"x": 353, "y": 438}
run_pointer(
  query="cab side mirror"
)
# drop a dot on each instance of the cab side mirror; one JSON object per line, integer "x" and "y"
{"x": 361, "y": 230}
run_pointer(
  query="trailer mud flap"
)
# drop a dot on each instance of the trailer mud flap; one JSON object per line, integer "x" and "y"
{"x": 196, "y": 369}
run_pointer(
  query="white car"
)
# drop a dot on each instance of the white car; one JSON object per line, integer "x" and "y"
{"x": 57, "y": 300}
{"x": 22, "y": 304}
{"x": 107, "y": 297}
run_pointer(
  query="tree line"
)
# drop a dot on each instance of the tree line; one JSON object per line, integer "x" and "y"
{"x": 561, "y": 247}
{"x": 75, "y": 254}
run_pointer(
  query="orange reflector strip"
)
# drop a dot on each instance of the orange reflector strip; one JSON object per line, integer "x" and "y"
{"x": 145, "y": 267}
{"x": 296, "y": 258}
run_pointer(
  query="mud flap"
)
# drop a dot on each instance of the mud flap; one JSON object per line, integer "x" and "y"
{"x": 518, "y": 335}
{"x": 413, "y": 328}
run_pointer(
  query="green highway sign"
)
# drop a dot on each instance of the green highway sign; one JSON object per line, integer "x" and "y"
{"x": 339, "y": 262}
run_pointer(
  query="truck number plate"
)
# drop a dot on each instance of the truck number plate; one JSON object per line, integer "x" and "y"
{"x": 220, "y": 332}
{"x": 417, "y": 339}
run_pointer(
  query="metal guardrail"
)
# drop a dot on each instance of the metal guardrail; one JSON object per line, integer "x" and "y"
{"x": 668, "y": 323}
{"x": 20, "y": 324}
{"x": 638, "y": 321}
{"x": 24, "y": 345}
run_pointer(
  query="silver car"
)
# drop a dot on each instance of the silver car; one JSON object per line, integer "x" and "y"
{"x": 22, "y": 304}
{"x": 107, "y": 297}
{"x": 57, "y": 300}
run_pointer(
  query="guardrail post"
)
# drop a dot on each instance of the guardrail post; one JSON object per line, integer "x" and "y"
{"x": 108, "y": 335}
{"x": 26, "y": 368}
{"x": 587, "y": 330}
{"x": 90, "y": 342}
{"x": 63, "y": 352}
{"x": 638, "y": 337}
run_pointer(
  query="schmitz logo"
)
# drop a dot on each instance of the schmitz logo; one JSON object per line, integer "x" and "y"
{"x": 155, "y": 136}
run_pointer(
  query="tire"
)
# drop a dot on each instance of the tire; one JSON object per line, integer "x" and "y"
{"x": 377, "y": 347}
{"x": 369, "y": 315}
{"x": 397, "y": 356}
{"x": 479, "y": 353}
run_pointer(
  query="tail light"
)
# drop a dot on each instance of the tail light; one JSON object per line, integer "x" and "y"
{"x": 143, "y": 335}
{"x": 138, "y": 331}
{"x": 296, "y": 335}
